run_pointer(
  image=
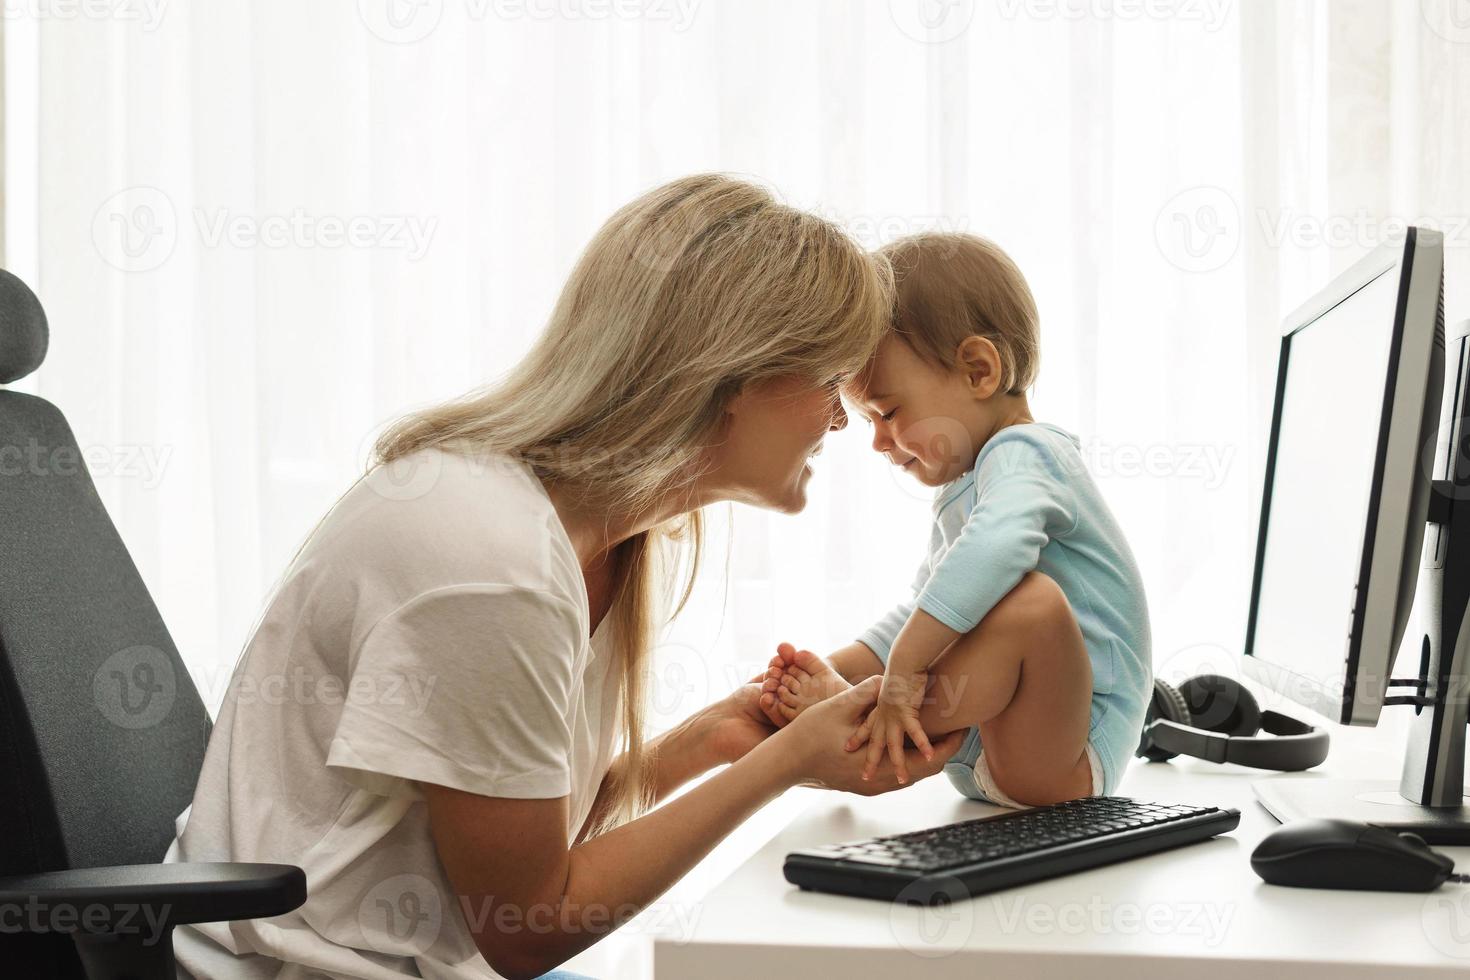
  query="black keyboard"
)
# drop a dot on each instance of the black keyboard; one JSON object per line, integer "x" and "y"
{"x": 960, "y": 860}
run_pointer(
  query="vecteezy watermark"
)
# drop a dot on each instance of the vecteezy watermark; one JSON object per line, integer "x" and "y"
{"x": 1361, "y": 228}
{"x": 1204, "y": 463}
{"x": 148, "y": 14}
{"x": 299, "y": 229}
{"x": 142, "y": 463}
{"x": 932, "y": 21}
{"x": 137, "y": 230}
{"x": 674, "y": 921}
{"x": 1445, "y": 917}
{"x": 135, "y": 687}
{"x": 1450, "y": 19}
{"x": 1198, "y": 229}
{"x": 381, "y": 689}
{"x": 872, "y": 231}
{"x": 678, "y": 680}
{"x": 1210, "y": 921}
{"x": 410, "y": 21}
{"x": 932, "y": 918}
{"x": 37, "y": 915}
{"x": 1212, "y": 14}
{"x": 402, "y": 914}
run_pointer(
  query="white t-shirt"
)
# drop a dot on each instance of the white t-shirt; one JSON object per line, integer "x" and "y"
{"x": 433, "y": 628}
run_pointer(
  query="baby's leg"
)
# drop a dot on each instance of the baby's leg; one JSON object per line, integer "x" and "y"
{"x": 1023, "y": 677}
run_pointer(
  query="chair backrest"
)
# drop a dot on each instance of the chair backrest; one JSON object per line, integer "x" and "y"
{"x": 102, "y": 733}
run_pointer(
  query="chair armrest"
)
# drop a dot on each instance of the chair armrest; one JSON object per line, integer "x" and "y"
{"x": 129, "y": 897}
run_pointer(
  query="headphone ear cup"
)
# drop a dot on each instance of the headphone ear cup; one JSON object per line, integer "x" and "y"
{"x": 1169, "y": 704}
{"x": 1221, "y": 704}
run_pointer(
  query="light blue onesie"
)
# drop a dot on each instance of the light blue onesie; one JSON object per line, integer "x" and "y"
{"x": 1029, "y": 503}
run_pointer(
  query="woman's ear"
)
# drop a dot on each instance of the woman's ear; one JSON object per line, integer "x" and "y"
{"x": 979, "y": 359}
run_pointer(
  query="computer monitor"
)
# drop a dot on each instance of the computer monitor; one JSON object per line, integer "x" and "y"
{"x": 1362, "y": 454}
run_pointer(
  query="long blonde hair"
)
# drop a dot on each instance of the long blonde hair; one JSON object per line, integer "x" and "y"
{"x": 686, "y": 294}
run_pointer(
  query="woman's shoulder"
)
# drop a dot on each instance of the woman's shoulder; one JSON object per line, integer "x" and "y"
{"x": 437, "y": 518}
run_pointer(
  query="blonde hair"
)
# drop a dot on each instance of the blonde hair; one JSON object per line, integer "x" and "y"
{"x": 686, "y": 294}
{"x": 949, "y": 286}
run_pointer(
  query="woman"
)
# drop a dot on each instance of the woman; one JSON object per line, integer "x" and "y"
{"x": 425, "y": 717}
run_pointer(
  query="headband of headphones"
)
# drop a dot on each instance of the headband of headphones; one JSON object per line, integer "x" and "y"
{"x": 1292, "y": 746}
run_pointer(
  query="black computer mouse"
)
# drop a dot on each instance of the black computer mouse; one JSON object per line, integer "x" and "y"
{"x": 1344, "y": 854}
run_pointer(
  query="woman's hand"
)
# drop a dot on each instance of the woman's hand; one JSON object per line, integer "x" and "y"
{"x": 736, "y": 724}
{"x": 818, "y": 734}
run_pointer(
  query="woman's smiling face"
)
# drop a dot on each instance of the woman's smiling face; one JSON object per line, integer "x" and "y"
{"x": 773, "y": 429}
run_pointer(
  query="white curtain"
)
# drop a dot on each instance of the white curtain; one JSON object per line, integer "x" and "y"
{"x": 263, "y": 230}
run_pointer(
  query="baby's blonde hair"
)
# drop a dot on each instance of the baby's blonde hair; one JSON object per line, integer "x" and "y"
{"x": 950, "y": 286}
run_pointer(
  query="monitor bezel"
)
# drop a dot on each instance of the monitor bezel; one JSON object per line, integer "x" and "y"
{"x": 1378, "y": 611}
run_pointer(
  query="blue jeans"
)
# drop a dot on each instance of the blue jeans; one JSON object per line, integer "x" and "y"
{"x": 563, "y": 975}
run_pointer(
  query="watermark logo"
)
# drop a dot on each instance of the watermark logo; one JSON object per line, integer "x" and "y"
{"x": 149, "y": 921}
{"x": 411, "y": 21}
{"x": 932, "y": 21}
{"x": 1361, "y": 228}
{"x": 406, "y": 233}
{"x": 403, "y": 913}
{"x": 1445, "y": 916}
{"x": 148, "y": 14}
{"x": 401, "y": 21}
{"x": 135, "y": 688}
{"x": 678, "y": 681}
{"x": 1208, "y": 921}
{"x": 136, "y": 229}
{"x": 1204, "y": 463}
{"x": 1210, "y": 14}
{"x": 1198, "y": 229}
{"x": 873, "y": 231}
{"x": 1450, "y": 19}
{"x": 395, "y": 692}
{"x": 932, "y": 918}
{"x": 947, "y": 447}
{"x": 408, "y": 477}
{"x": 145, "y": 464}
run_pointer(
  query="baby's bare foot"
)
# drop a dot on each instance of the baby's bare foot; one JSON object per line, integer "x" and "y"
{"x": 796, "y": 680}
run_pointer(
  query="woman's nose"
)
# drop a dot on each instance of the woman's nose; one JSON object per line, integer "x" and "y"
{"x": 881, "y": 442}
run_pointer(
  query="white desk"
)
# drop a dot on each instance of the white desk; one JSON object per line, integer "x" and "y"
{"x": 1198, "y": 908}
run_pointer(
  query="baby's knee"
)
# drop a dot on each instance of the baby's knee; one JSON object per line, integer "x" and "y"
{"x": 1036, "y": 607}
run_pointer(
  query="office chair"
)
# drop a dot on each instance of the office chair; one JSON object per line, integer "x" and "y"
{"x": 102, "y": 733}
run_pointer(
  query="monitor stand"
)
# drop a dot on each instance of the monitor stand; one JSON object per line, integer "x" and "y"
{"x": 1429, "y": 799}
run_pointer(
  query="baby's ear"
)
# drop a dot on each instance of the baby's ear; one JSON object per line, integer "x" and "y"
{"x": 979, "y": 359}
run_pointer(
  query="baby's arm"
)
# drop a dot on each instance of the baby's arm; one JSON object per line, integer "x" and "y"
{"x": 920, "y": 642}
{"x": 1022, "y": 502}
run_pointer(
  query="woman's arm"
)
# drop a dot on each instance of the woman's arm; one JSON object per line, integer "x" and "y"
{"x": 713, "y": 736}
{"x": 531, "y": 902}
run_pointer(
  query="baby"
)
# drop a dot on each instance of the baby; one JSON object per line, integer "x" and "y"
{"x": 1028, "y": 624}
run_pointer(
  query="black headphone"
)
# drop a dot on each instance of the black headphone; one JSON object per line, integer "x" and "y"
{"x": 1215, "y": 718}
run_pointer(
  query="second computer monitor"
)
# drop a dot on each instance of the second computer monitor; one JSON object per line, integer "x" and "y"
{"x": 1348, "y": 473}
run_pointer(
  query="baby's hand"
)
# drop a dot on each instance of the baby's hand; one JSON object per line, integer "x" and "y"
{"x": 895, "y": 714}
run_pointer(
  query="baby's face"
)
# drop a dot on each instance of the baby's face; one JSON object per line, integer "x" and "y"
{"x": 925, "y": 419}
